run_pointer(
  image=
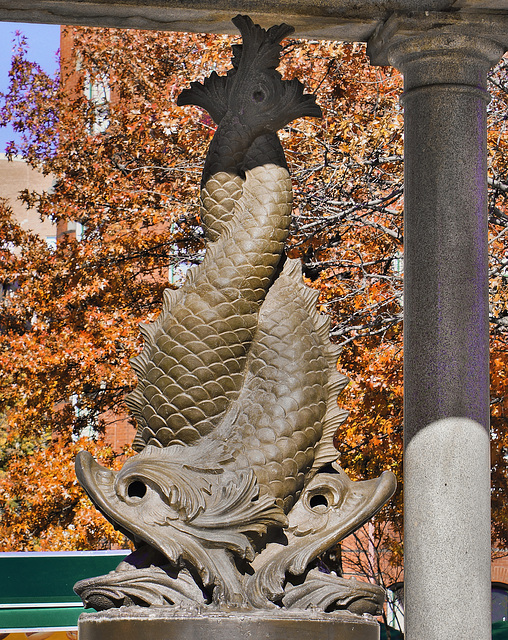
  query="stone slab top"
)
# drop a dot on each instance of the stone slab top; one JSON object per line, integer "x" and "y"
{"x": 345, "y": 20}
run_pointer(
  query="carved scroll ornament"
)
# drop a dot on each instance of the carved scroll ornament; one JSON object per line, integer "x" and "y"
{"x": 236, "y": 402}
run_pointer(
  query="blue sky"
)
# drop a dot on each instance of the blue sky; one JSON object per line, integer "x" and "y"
{"x": 43, "y": 43}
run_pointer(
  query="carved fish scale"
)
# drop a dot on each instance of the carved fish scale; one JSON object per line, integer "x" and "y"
{"x": 193, "y": 363}
{"x": 237, "y": 393}
{"x": 221, "y": 190}
{"x": 285, "y": 417}
{"x": 194, "y": 357}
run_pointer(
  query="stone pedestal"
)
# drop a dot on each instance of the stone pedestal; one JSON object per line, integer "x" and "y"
{"x": 137, "y": 623}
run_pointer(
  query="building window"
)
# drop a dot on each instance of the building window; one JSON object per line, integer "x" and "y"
{"x": 98, "y": 93}
{"x": 51, "y": 242}
{"x": 395, "y": 606}
{"x": 499, "y": 602}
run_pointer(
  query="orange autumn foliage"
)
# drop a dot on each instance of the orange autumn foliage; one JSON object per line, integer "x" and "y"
{"x": 128, "y": 169}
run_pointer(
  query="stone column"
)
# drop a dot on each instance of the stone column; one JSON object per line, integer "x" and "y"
{"x": 446, "y": 350}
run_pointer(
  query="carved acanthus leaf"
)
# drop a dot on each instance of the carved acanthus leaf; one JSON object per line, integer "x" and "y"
{"x": 139, "y": 586}
{"x": 330, "y": 508}
{"x": 329, "y": 592}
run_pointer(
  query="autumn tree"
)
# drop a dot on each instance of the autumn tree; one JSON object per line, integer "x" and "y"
{"x": 348, "y": 228}
{"x": 127, "y": 168}
{"x": 128, "y": 174}
{"x": 498, "y": 308}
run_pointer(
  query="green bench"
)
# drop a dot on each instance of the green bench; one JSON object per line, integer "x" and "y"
{"x": 36, "y": 588}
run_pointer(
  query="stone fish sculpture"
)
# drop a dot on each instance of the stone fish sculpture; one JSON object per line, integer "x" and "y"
{"x": 236, "y": 489}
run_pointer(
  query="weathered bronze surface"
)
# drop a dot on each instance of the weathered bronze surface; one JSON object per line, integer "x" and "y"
{"x": 226, "y": 501}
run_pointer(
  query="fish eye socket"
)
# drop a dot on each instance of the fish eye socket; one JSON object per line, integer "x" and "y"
{"x": 136, "y": 489}
{"x": 258, "y": 96}
{"x": 318, "y": 500}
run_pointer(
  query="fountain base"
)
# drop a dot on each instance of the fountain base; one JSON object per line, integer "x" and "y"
{"x": 157, "y": 623}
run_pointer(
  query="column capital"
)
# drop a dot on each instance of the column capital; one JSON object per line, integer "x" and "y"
{"x": 407, "y": 37}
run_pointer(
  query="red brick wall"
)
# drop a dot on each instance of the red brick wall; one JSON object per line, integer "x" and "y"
{"x": 119, "y": 431}
{"x": 499, "y": 570}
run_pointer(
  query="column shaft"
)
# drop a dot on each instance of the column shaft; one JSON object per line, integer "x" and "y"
{"x": 446, "y": 351}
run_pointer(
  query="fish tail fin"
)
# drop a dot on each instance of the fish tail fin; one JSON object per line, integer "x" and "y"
{"x": 261, "y": 51}
{"x": 210, "y": 95}
{"x": 297, "y": 104}
{"x": 260, "y": 47}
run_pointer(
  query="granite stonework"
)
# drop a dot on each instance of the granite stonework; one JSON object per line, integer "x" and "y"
{"x": 446, "y": 333}
{"x": 161, "y": 625}
{"x": 347, "y": 20}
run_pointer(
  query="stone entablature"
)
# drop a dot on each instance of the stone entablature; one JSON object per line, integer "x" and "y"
{"x": 346, "y": 20}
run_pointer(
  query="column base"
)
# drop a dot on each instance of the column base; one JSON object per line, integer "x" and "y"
{"x": 137, "y": 623}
